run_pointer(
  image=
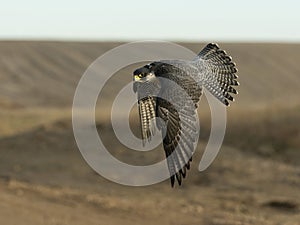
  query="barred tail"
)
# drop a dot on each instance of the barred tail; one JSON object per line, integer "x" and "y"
{"x": 147, "y": 118}
{"x": 219, "y": 72}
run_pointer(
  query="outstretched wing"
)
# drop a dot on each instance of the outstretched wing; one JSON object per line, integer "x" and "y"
{"x": 177, "y": 109}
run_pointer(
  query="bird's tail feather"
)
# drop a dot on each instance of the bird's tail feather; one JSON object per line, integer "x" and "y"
{"x": 220, "y": 72}
{"x": 147, "y": 118}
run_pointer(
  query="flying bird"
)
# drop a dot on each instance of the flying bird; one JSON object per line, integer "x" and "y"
{"x": 168, "y": 93}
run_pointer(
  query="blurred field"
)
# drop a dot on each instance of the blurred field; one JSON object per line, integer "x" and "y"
{"x": 44, "y": 180}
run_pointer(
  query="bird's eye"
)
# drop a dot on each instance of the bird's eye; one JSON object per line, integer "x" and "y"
{"x": 140, "y": 75}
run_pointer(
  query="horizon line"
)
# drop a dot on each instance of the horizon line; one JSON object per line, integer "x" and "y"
{"x": 122, "y": 40}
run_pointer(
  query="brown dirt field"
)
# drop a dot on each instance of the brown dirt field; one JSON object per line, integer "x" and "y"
{"x": 44, "y": 179}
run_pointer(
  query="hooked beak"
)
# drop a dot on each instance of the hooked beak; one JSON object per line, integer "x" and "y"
{"x": 136, "y": 78}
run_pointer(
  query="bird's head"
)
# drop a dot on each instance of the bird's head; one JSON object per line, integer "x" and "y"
{"x": 143, "y": 74}
{"x": 143, "y": 77}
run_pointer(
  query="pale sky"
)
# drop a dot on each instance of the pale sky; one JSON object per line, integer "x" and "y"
{"x": 196, "y": 20}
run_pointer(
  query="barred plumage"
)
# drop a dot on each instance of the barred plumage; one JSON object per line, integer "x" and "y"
{"x": 175, "y": 103}
{"x": 219, "y": 74}
{"x": 147, "y": 114}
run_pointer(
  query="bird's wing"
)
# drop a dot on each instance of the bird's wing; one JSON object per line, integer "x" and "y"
{"x": 218, "y": 72}
{"x": 147, "y": 107}
{"x": 177, "y": 109}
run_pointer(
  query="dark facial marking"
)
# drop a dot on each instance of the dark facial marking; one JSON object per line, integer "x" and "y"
{"x": 142, "y": 72}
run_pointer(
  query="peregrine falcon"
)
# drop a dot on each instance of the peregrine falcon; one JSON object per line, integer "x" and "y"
{"x": 168, "y": 93}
